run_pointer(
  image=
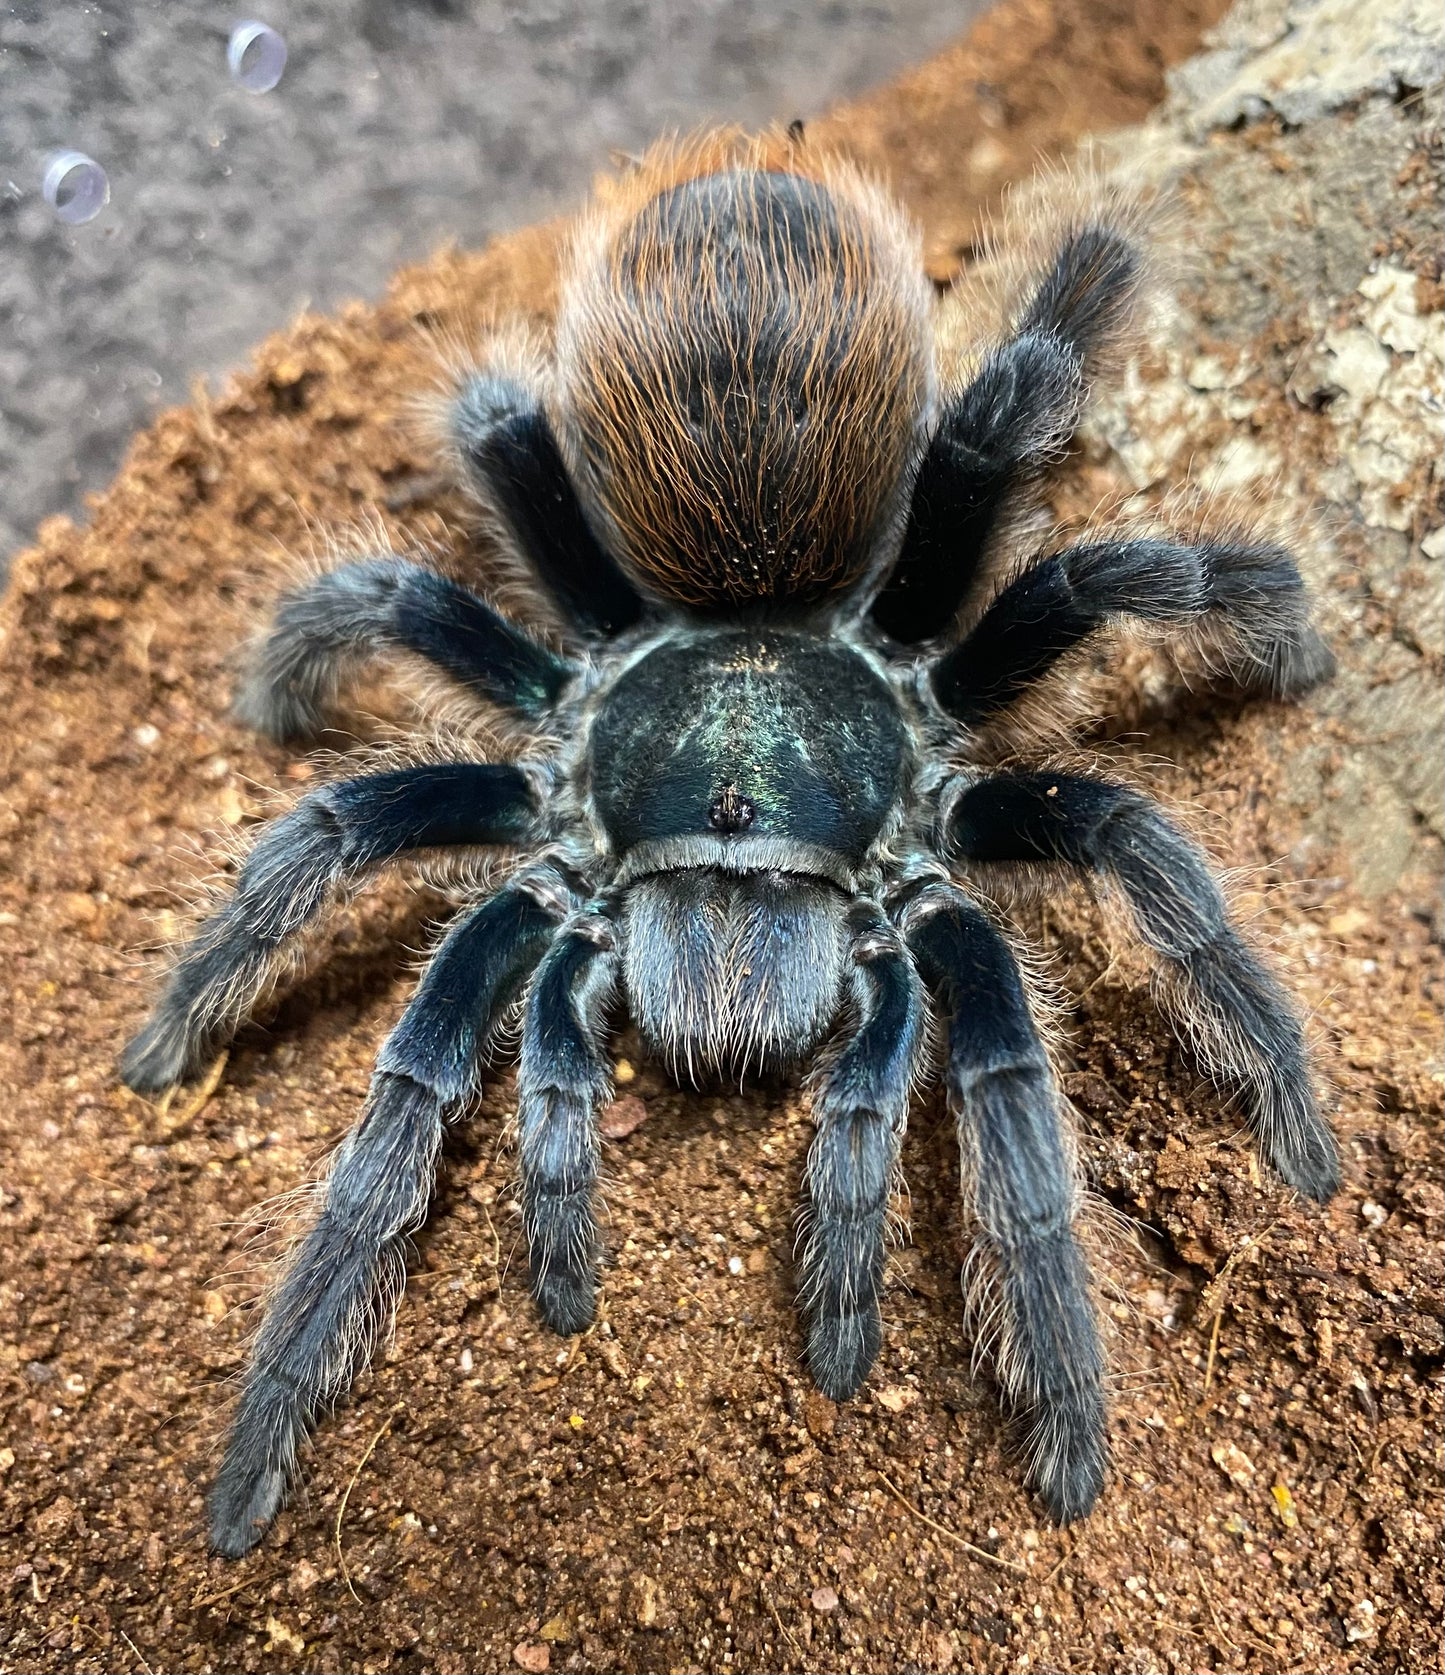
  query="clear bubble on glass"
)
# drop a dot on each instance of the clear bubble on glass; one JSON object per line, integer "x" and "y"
{"x": 256, "y": 56}
{"x": 75, "y": 187}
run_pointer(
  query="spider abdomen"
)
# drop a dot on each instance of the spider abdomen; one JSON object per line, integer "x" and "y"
{"x": 746, "y": 371}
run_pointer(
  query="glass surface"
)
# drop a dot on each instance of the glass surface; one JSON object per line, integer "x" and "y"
{"x": 394, "y": 124}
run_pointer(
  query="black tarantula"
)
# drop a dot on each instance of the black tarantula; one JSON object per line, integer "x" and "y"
{"x": 758, "y": 483}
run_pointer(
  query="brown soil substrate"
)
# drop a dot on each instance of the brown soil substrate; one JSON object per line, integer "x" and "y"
{"x": 669, "y": 1492}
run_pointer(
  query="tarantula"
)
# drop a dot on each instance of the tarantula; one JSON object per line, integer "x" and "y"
{"x": 759, "y": 482}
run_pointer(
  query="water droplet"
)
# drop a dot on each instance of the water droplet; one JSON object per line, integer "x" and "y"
{"x": 75, "y": 187}
{"x": 256, "y": 56}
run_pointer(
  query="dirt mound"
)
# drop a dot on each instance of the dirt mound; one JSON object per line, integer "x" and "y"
{"x": 670, "y": 1492}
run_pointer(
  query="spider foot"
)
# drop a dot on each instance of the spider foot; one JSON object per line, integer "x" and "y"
{"x": 1302, "y": 663}
{"x": 1286, "y": 665}
{"x": 1068, "y": 1448}
{"x": 159, "y": 1056}
{"x": 251, "y": 1486}
{"x": 842, "y": 1349}
{"x": 242, "y": 1506}
{"x": 1307, "y": 1157}
{"x": 566, "y": 1300}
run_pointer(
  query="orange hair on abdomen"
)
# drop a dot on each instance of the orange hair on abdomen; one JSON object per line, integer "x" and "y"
{"x": 745, "y": 371}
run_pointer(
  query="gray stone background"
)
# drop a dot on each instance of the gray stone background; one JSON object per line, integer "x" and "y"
{"x": 398, "y": 124}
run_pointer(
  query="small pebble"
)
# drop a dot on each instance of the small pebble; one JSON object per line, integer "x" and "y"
{"x": 825, "y": 1599}
{"x": 282, "y": 1634}
{"x": 304, "y": 1577}
{"x": 896, "y": 1398}
{"x": 79, "y": 908}
{"x": 645, "y": 1601}
{"x": 1284, "y": 1505}
{"x": 1234, "y": 1463}
{"x": 622, "y": 1116}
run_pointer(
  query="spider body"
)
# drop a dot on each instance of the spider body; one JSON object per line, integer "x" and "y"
{"x": 743, "y": 781}
{"x": 758, "y": 489}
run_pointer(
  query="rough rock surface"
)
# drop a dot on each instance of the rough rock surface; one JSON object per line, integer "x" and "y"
{"x": 1305, "y": 369}
{"x": 669, "y": 1492}
{"x": 1301, "y": 61}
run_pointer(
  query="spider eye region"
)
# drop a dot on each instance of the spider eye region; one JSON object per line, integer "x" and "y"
{"x": 730, "y": 811}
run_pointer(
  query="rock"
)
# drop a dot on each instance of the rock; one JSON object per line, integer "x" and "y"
{"x": 1303, "y": 60}
{"x": 622, "y": 1117}
{"x": 896, "y": 1398}
{"x": 1234, "y": 1463}
{"x": 645, "y": 1601}
{"x": 303, "y": 1579}
{"x": 1310, "y": 256}
{"x": 280, "y": 1635}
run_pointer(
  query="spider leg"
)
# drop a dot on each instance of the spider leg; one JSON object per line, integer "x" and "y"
{"x": 562, "y": 1081}
{"x": 1254, "y": 591}
{"x": 511, "y": 459}
{"x": 1014, "y": 417}
{"x": 1007, "y": 424}
{"x": 1223, "y": 1002}
{"x": 344, "y": 1282}
{"x": 1019, "y": 1169}
{"x": 860, "y": 1106}
{"x": 387, "y": 604}
{"x": 331, "y": 836}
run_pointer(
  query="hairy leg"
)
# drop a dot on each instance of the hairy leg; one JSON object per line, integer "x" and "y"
{"x": 860, "y": 1106}
{"x": 344, "y": 1282}
{"x": 1223, "y": 1002}
{"x": 1089, "y": 290}
{"x": 1253, "y": 593}
{"x": 332, "y": 835}
{"x": 321, "y": 631}
{"x": 997, "y": 433}
{"x": 512, "y": 460}
{"x": 562, "y": 1082}
{"x": 1019, "y": 1169}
